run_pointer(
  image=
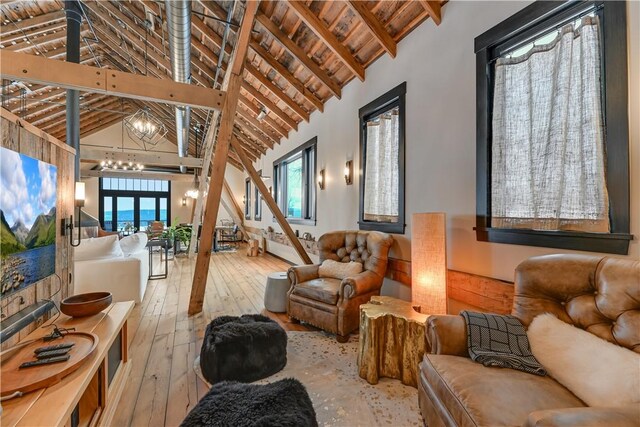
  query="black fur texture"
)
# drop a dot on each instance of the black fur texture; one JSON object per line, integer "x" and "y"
{"x": 245, "y": 349}
{"x": 284, "y": 403}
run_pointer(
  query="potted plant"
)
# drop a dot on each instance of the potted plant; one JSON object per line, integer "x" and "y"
{"x": 177, "y": 233}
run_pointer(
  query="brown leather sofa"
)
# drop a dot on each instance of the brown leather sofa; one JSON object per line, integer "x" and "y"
{"x": 332, "y": 304}
{"x": 598, "y": 294}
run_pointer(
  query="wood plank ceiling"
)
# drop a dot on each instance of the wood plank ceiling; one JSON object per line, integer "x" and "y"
{"x": 301, "y": 54}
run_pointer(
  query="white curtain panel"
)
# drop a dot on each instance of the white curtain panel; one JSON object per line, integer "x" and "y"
{"x": 548, "y": 167}
{"x": 382, "y": 168}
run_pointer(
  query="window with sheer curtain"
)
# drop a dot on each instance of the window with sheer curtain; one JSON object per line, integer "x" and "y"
{"x": 548, "y": 165}
{"x": 381, "y": 179}
{"x": 552, "y": 128}
{"x": 382, "y": 159}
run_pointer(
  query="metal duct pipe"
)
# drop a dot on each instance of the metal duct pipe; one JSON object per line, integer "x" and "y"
{"x": 74, "y": 19}
{"x": 179, "y": 29}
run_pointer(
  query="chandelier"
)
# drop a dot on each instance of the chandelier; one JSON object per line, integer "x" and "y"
{"x": 146, "y": 127}
{"x": 120, "y": 165}
{"x": 193, "y": 193}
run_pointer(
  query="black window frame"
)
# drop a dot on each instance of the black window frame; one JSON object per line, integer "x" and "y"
{"x": 257, "y": 201}
{"x": 391, "y": 99}
{"x": 137, "y": 195}
{"x": 247, "y": 198}
{"x": 514, "y": 31}
{"x": 309, "y": 154}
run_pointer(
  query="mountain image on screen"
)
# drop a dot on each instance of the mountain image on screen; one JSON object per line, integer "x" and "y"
{"x": 27, "y": 220}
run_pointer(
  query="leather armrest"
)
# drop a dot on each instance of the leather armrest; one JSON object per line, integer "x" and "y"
{"x": 447, "y": 334}
{"x": 360, "y": 284}
{"x": 626, "y": 416}
{"x": 302, "y": 273}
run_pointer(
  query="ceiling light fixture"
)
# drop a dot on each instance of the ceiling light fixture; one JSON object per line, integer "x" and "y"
{"x": 262, "y": 114}
{"x": 146, "y": 127}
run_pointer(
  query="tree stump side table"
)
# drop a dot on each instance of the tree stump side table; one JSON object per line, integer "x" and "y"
{"x": 392, "y": 340}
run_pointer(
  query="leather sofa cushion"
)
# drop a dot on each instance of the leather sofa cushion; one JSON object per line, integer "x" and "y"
{"x": 479, "y": 396}
{"x": 324, "y": 289}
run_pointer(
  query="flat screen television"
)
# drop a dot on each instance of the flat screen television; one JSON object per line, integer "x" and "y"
{"x": 28, "y": 220}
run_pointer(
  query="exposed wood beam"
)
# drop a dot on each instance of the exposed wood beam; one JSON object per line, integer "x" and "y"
{"x": 87, "y": 102}
{"x": 273, "y": 206}
{"x": 298, "y": 53}
{"x": 8, "y": 39}
{"x": 242, "y": 134}
{"x": 253, "y": 109}
{"x": 257, "y": 128}
{"x": 20, "y": 66}
{"x": 317, "y": 26}
{"x": 271, "y": 106}
{"x": 249, "y": 150}
{"x": 232, "y": 84}
{"x": 434, "y": 9}
{"x": 49, "y": 38}
{"x": 374, "y": 25}
{"x": 55, "y": 127}
{"x": 146, "y": 157}
{"x": 271, "y": 87}
{"x": 26, "y": 24}
{"x": 255, "y": 149}
{"x": 287, "y": 75}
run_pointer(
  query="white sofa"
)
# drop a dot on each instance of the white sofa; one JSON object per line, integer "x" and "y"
{"x": 109, "y": 264}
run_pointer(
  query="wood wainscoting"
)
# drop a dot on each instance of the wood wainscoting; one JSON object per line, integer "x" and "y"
{"x": 20, "y": 136}
{"x": 479, "y": 292}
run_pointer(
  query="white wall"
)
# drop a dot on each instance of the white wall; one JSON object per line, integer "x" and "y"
{"x": 438, "y": 64}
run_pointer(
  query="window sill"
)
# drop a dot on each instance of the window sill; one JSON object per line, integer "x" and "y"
{"x": 611, "y": 243}
{"x": 300, "y": 221}
{"x": 385, "y": 227}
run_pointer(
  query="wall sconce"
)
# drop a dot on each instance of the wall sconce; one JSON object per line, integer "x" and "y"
{"x": 348, "y": 172}
{"x": 68, "y": 223}
{"x": 429, "y": 263}
{"x": 184, "y": 201}
{"x": 321, "y": 179}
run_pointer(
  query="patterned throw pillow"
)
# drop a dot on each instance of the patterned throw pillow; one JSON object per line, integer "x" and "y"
{"x": 339, "y": 270}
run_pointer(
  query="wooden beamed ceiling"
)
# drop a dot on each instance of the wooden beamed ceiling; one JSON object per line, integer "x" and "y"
{"x": 301, "y": 54}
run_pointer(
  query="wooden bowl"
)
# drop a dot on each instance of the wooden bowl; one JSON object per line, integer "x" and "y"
{"x": 82, "y": 305}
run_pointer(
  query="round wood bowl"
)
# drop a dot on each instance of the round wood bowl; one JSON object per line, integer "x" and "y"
{"x": 82, "y": 305}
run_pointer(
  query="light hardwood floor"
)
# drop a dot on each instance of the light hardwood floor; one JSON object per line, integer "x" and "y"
{"x": 164, "y": 340}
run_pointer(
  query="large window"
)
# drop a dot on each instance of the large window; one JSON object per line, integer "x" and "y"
{"x": 294, "y": 184}
{"x": 130, "y": 202}
{"x": 552, "y": 137}
{"x": 382, "y": 160}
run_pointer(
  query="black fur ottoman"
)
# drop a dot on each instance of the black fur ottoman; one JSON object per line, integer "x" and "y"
{"x": 284, "y": 403}
{"x": 244, "y": 349}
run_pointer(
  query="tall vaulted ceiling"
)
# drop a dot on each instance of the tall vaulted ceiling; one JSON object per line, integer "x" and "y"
{"x": 301, "y": 54}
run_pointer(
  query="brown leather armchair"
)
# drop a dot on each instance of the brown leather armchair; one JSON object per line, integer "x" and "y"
{"x": 598, "y": 294}
{"x": 332, "y": 304}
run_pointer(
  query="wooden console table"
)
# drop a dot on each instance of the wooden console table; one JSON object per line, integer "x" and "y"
{"x": 392, "y": 340}
{"x": 88, "y": 396}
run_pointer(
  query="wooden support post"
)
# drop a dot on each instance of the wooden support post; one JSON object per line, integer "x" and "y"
{"x": 273, "y": 206}
{"x": 232, "y": 86}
